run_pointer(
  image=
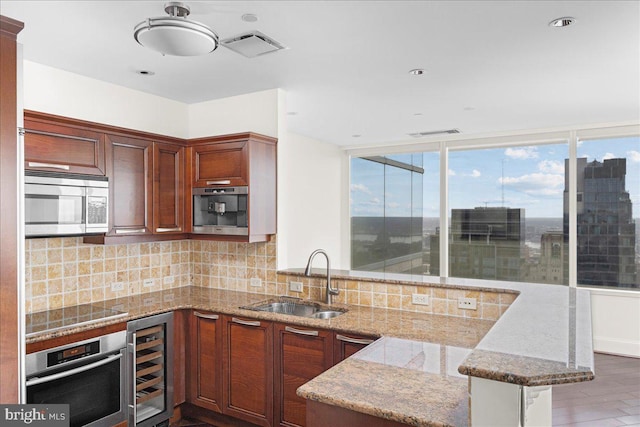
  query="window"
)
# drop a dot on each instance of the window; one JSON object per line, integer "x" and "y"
{"x": 388, "y": 212}
{"x": 511, "y": 206}
{"x": 608, "y": 238}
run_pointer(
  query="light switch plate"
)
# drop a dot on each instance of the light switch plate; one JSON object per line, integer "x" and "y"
{"x": 467, "y": 303}
{"x": 256, "y": 282}
{"x": 147, "y": 283}
{"x": 420, "y": 299}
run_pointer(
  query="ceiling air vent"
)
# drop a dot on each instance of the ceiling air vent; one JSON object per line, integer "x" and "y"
{"x": 433, "y": 132}
{"x": 252, "y": 44}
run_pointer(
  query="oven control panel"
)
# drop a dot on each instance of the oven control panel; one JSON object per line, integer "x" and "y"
{"x": 72, "y": 353}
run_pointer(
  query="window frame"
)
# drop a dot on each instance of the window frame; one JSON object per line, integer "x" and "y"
{"x": 446, "y": 144}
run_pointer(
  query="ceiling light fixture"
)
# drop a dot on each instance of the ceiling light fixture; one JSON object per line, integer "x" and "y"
{"x": 562, "y": 22}
{"x": 249, "y": 17}
{"x": 416, "y": 72}
{"x": 175, "y": 34}
{"x": 145, "y": 72}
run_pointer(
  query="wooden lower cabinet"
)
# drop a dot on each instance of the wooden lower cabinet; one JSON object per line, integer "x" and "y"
{"x": 323, "y": 415}
{"x": 346, "y": 345}
{"x": 205, "y": 360}
{"x": 248, "y": 370}
{"x": 301, "y": 354}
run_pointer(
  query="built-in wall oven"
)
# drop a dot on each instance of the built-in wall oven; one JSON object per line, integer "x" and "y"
{"x": 89, "y": 376}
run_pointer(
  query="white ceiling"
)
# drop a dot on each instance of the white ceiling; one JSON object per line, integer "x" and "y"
{"x": 490, "y": 65}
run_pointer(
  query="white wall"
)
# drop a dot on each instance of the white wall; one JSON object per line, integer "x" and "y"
{"x": 59, "y": 92}
{"x": 615, "y": 318}
{"x": 255, "y": 112}
{"x": 310, "y": 183}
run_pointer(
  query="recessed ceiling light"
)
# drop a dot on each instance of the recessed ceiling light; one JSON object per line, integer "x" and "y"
{"x": 562, "y": 22}
{"x": 145, "y": 72}
{"x": 292, "y": 113}
{"x": 417, "y": 72}
{"x": 249, "y": 17}
{"x": 469, "y": 108}
{"x": 417, "y": 114}
{"x": 356, "y": 136}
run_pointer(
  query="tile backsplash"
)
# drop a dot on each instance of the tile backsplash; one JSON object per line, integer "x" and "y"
{"x": 63, "y": 272}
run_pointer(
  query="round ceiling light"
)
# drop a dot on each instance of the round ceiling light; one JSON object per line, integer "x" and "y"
{"x": 174, "y": 34}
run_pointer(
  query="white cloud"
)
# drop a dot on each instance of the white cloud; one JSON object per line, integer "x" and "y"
{"x": 608, "y": 156}
{"x": 551, "y": 166}
{"x": 476, "y": 173}
{"x": 540, "y": 184}
{"x": 374, "y": 201}
{"x": 452, "y": 172}
{"x": 393, "y": 205}
{"x": 522, "y": 153}
{"x": 633, "y": 156}
{"x": 360, "y": 187}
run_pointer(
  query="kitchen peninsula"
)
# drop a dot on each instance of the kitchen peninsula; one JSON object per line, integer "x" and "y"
{"x": 416, "y": 374}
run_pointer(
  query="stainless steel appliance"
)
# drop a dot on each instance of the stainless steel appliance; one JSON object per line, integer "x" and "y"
{"x": 65, "y": 204}
{"x": 220, "y": 210}
{"x": 150, "y": 379}
{"x": 89, "y": 376}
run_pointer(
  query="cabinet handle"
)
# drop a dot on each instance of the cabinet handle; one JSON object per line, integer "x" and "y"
{"x": 139, "y": 230}
{"x": 300, "y": 331}
{"x": 206, "y": 316}
{"x": 245, "y": 322}
{"x": 167, "y": 230}
{"x": 363, "y": 341}
{"x": 221, "y": 182}
{"x": 48, "y": 165}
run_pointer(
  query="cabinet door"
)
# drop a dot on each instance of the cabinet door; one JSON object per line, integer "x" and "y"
{"x": 248, "y": 370}
{"x": 220, "y": 164}
{"x": 57, "y": 148}
{"x": 168, "y": 188}
{"x": 130, "y": 183}
{"x": 347, "y": 344}
{"x": 205, "y": 360}
{"x": 301, "y": 355}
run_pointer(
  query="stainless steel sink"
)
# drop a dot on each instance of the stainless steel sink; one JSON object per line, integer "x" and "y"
{"x": 296, "y": 307}
{"x": 326, "y": 314}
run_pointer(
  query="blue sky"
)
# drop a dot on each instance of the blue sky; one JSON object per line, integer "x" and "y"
{"x": 524, "y": 177}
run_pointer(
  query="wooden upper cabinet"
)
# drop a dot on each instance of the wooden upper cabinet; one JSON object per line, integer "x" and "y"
{"x": 246, "y": 159}
{"x": 55, "y": 147}
{"x": 221, "y": 163}
{"x": 130, "y": 184}
{"x": 168, "y": 188}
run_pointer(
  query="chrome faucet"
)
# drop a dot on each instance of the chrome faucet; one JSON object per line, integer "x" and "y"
{"x": 307, "y": 272}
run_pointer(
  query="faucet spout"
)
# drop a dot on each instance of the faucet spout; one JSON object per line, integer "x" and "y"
{"x": 307, "y": 272}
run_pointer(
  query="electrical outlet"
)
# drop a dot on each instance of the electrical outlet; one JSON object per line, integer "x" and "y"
{"x": 467, "y": 303}
{"x": 117, "y": 287}
{"x": 256, "y": 282}
{"x": 420, "y": 299}
{"x": 147, "y": 283}
{"x": 295, "y": 286}
{"x": 167, "y": 298}
{"x": 149, "y": 301}
{"x": 168, "y": 280}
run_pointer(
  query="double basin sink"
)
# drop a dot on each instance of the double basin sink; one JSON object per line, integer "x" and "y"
{"x": 297, "y": 307}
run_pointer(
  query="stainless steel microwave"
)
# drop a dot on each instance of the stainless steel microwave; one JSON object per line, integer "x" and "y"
{"x": 64, "y": 204}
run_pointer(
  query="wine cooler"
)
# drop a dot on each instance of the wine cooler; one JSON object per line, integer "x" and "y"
{"x": 150, "y": 391}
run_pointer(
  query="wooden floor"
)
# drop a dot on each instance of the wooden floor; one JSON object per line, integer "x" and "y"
{"x": 612, "y": 399}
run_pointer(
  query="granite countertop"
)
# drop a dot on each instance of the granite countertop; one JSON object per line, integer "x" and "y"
{"x": 417, "y": 373}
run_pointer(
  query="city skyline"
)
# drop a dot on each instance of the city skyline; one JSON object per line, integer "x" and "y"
{"x": 528, "y": 177}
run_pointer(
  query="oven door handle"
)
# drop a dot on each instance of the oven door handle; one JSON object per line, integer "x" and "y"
{"x": 40, "y": 380}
